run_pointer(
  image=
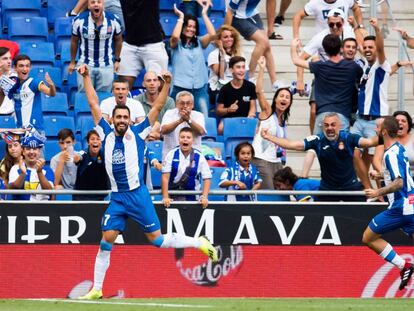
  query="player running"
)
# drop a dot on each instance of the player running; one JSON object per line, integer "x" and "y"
{"x": 123, "y": 149}
{"x": 398, "y": 187}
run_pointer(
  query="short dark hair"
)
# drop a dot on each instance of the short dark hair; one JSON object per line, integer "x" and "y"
{"x": 349, "y": 39}
{"x": 391, "y": 125}
{"x": 369, "y": 38}
{"x": 240, "y": 146}
{"x": 186, "y": 129}
{"x": 332, "y": 44}
{"x": 285, "y": 175}
{"x": 21, "y": 57}
{"x": 120, "y": 80}
{"x": 120, "y": 107}
{"x": 407, "y": 116}
{"x": 90, "y": 133}
{"x": 236, "y": 59}
{"x": 4, "y": 50}
{"x": 65, "y": 133}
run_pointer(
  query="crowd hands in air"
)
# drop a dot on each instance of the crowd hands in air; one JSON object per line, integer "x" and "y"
{"x": 220, "y": 88}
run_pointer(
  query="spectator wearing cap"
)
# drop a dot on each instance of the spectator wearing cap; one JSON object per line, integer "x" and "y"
{"x": 98, "y": 33}
{"x": 335, "y": 22}
{"x": 31, "y": 173}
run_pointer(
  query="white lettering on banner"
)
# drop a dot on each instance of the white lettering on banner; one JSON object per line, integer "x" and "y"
{"x": 31, "y": 236}
{"x": 328, "y": 223}
{"x": 378, "y": 279}
{"x": 12, "y": 229}
{"x": 286, "y": 240}
{"x": 174, "y": 219}
{"x": 64, "y": 229}
{"x": 246, "y": 222}
{"x": 206, "y": 221}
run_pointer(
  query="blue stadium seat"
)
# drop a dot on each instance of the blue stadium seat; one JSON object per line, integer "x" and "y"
{"x": 211, "y": 127}
{"x": 54, "y": 73}
{"x": 50, "y": 149}
{"x": 167, "y": 5}
{"x": 19, "y": 8}
{"x": 58, "y": 8}
{"x": 7, "y": 122}
{"x": 155, "y": 178}
{"x": 30, "y": 29}
{"x": 62, "y": 32}
{"x": 216, "y": 21}
{"x": 216, "y": 173}
{"x": 218, "y": 9}
{"x": 53, "y": 124}
{"x": 156, "y": 147}
{"x": 168, "y": 23}
{"x": 57, "y": 105}
{"x": 238, "y": 128}
{"x": 42, "y": 54}
{"x": 83, "y": 125}
{"x": 231, "y": 145}
{"x": 81, "y": 106}
{"x": 208, "y": 50}
{"x": 216, "y": 145}
{"x": 2, "y": 148}
{"x": 103, "y": 95}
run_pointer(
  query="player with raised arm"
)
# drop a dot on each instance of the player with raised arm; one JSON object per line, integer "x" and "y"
{"x": 398, "y": 187}
{"x": 123, "y": 148}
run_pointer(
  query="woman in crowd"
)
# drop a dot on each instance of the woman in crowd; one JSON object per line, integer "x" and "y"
{"x": 12, "y": 156}
{"x": 188, "y": 64}
{"x": 227, "y": 46}
{"x": 269, "y": 158}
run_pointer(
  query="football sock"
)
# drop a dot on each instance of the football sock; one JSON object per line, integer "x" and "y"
{"x": 101, "y": 265}
{"x": 391, "y": 256}
{"x": 176, "y": 240}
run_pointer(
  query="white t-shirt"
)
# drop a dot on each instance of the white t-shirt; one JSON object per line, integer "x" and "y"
{"x": 320, "y": 9}
{"x": 171, "y": 139}
{"x": 213, "y": 80}
{"x": 108, "y": 104}
{"x": 6, "y": 82}
{"x": 314, "y": 46}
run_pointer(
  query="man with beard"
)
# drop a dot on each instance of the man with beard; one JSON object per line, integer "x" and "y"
{"x": 334, "y": 149}
{"x": 398, "y": 187}
{"x": 152, "y": 84}
{"x": 120, "y": 90}
{"x": 99, "y": 35}
{"x": 123, "y": 149}
{"x": 91, "y": 173}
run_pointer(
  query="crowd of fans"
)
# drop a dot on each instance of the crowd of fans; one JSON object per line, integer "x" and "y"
{"x": 349, "y": 96}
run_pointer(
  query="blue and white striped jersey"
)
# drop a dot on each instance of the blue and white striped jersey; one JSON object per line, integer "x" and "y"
{"x": 396, "y": 165}
{"x": 244, "y": 8}
{"x": 96, "y": 43}
{"x": 124, "y": 155}
{"x": 27, "y": 107}
{"x": 373, "y": 90}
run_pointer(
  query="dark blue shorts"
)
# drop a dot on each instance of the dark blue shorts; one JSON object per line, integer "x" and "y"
{"x": 135, "y": 204}
{"x": 248, "y": 26}
{"x": 390, "y": 220}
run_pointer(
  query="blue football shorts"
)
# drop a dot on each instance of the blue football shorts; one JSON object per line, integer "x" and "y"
{"x": 137, "y": 205}
{"x": 390, "y": 220}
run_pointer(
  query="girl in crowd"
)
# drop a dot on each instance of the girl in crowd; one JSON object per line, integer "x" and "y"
{"x": 188, "y": 64}
{"x": 12, "y": 156}
{"x": 269, "y": 158}
{"x": 242, "y": 175}
{"x": 285, "y": 179}
{"x": 227, "y": 46}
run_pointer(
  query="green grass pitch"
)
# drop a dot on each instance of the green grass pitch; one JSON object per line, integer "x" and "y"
{"x": 190, "y": 304}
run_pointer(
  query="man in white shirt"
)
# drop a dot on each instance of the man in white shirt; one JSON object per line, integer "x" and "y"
{"x": 120, "y": 90}
{"x": 182, "y": 116}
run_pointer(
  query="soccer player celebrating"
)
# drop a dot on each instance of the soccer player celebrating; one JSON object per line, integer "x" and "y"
{"x": 398, "y": 187}
{"x": 123, "y": 149}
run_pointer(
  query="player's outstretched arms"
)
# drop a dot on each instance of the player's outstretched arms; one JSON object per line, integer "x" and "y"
{"x": 91, "y": 95}
{"x": 283, "y": 142}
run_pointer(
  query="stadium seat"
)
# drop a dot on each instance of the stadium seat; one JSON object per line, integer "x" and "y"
{"x": 208, "y": 50}
{"x": 7, "y": 122}
{"x": 50, "y": 149}
{"x": 42, "y": 54}
{"x": 156, "y": 147}
{"x": 62, "y": 33}
{"x": 30, "y": 29}
{"x": 57, "y": 105}
{"x": 81, "y": 106}
{"x": 211, "y": 127}
{"x": 19, "y": 8}
{"x": 58, "y": 8}
{"x": 218, "y": 9}
{"x": 168, "y": 23}
{"x": 155, "y": 178}
{"x": 167, "y": 5}
{"x": 83, "y": 125}
{"x": 53, "y": 124}
{"x": 215, "y": 179}
{"x": 54, "y": 73}
{"x": 216, "y": 21}
{"x": 237, "y": 128}
{"x": 2, "y": 148}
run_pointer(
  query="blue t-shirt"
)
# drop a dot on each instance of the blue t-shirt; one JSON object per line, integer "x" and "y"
{"x": 335, "y": 85}
{"x": 303, "y": 184}
{"x": 336, "y": 160}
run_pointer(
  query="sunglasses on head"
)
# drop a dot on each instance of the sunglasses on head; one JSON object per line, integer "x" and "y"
{"x": 332, "y": 25}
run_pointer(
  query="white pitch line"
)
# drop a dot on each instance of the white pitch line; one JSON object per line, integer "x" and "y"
{"x": 148, "y": 304}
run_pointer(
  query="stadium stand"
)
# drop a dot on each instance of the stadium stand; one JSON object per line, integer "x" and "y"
{"x": 19, "y": 8}
{"x": 168, "y": 22}
{"x": 53, "y": 124}
{"x": 54, "y": 106}
{"x": 246, "y": 128}
{"x": 62, "y": 33}
{"x": 7, "y": 122}
{"x": 211, "y": 128}
{"x": 42, "y": 54}
{"x": 54, "y": 73}
{"x": 28, "y": 29}
{"x": 58, "y": 8}
{"x": 215, "y": 179}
